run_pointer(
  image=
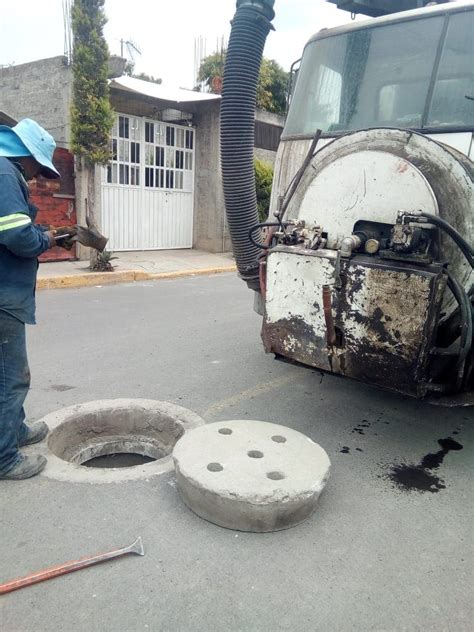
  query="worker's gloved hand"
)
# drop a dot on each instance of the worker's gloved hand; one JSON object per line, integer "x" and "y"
{"x": 90, "y": 236}
{"x": 64, "y": 230}
{"x": 65, "y": 236}
{"x": 51, "y": 237}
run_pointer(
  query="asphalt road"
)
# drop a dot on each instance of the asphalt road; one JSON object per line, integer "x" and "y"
{"x": 378, "y": 554}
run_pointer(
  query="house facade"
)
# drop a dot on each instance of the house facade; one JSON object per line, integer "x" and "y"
{"x": 162, "y": 188}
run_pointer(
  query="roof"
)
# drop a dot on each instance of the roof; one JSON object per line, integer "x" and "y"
{"x": 439, "y": 9}
{"x": 159, "y": 91}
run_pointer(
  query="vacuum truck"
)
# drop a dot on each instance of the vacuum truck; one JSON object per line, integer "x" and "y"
{"x": 364, "y": 268}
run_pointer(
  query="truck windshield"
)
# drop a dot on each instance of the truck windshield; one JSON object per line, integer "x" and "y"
{"x": 383, "y": 77}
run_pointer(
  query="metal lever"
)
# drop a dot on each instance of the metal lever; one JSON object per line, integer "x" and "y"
{"x": 69, "y": 567}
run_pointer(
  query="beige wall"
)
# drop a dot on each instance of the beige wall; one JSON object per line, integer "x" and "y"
{"x": 41, "y": 90}
{"x": 210, "y": 232}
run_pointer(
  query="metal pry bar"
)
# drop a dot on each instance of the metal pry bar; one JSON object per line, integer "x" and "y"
{"x": 69, "y": 567}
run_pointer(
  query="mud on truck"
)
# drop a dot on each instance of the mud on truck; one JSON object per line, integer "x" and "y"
{"x": 365, "y": 266}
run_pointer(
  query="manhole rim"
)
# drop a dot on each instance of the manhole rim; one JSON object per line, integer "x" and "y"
{"x": 114, "y": 445}
{"x": 62, "y": 470}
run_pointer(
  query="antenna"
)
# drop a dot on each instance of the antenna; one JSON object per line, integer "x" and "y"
{"x": 132, "y": 49}
{"x": 200, "y": 52}
{"x": 68, "y": 37}
{"x": 200, "y": 47}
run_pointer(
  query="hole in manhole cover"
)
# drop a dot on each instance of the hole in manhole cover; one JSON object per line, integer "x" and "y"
{"x": 215, "y": 467}
{"x": 275, "y": 476}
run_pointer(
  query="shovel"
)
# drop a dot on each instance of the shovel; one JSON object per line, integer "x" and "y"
{"x": 90, "y": 236}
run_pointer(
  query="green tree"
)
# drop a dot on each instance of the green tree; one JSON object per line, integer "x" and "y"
{"x": 211, "y": 71}
{"x": 272, "y": 87}
{"x": 130, "y": 71}
{"x": 263, "y": 184}
{"x": 144, "y": 77}
{"x": 272, "y": 83}
{"x": 91, "y": 112}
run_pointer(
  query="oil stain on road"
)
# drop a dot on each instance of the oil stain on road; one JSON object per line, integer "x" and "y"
{"x": 423, "y": 477}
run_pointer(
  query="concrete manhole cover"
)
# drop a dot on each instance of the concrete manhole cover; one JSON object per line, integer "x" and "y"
{"x": 114, "y": 440}
{"x": 250, "y": 475}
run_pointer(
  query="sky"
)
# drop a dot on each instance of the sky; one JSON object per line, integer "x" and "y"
{"x": 164, "y": 31}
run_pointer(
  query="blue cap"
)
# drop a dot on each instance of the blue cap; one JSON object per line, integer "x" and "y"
{"x": 27, "y": 138}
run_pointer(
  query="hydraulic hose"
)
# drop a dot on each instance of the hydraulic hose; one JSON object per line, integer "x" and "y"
{"x": 464, "y": 246}
{"x": 261, "y": 246}
{"x": 250, "y": 27}
{"x": 466, "y": 326}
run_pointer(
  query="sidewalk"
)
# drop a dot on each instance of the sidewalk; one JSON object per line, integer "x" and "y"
{"x": 134, "y": 266}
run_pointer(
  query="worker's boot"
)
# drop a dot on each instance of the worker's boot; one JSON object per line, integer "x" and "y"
{"x": 27, "y": 467}
{"x": 36, "y": 432}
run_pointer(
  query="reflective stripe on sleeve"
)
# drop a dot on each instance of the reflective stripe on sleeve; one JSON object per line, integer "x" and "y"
{"x": 15, "y": 220}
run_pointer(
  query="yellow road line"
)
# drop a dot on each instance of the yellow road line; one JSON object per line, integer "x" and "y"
{"x": 251, "y": 393}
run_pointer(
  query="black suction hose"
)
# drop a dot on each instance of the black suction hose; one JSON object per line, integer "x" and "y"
{"x": 250, "y": 27}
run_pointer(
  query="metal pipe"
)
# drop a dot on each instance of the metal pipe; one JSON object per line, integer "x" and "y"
{"x": 328, "y": 316}
{"x": 263, "y": 262}
{"x": 299, "y": 174}
{"x": 265, "y": 7}
{"x": 349, "y": 244}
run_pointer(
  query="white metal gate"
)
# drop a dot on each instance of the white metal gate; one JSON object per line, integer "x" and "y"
{"x": 148, "y": 188}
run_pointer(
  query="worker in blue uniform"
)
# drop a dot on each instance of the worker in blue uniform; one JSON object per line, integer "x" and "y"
{"x": 26, "y": 151}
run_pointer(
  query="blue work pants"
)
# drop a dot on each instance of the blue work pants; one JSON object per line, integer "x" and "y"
{"x": 14, "y": 385}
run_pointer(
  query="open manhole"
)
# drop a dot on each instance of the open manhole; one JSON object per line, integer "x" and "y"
{"x": 112, "y": 440}
{"x": 119, "y": 459}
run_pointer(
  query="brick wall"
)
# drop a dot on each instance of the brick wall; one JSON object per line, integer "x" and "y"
{"x": 55, "y": 201}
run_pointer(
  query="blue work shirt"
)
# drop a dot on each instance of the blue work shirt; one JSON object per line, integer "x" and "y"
{"x": 21, "y": 242}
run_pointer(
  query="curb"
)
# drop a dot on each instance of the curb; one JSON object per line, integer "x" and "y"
{"x": 70, "y": 281}
{"x": 155, "y": 276}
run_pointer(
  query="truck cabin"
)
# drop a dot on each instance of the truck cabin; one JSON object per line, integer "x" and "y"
{"x": 410, "y": 70}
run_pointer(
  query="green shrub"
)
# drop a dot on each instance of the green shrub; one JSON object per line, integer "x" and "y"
{"x": 263, "y": 183}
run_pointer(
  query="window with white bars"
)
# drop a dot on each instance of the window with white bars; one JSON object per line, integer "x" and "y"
{"x": 151, "y": 154}
{"x": 124, "y": 168}
{"x": 168, "y": 156}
